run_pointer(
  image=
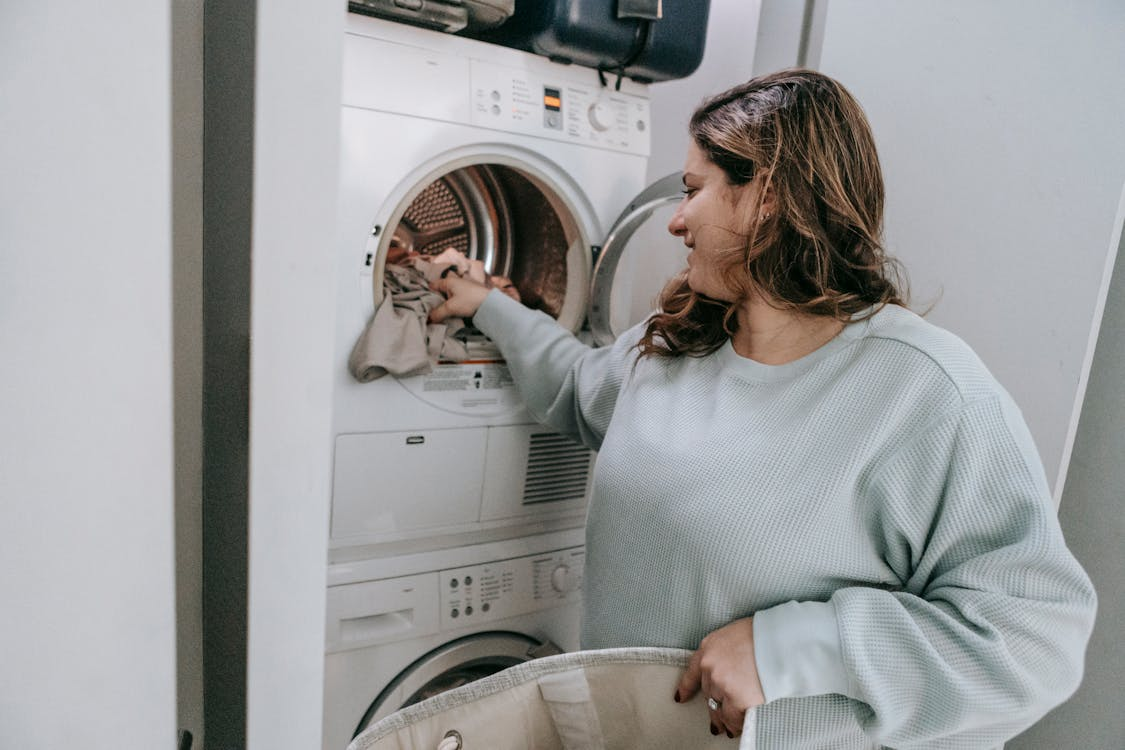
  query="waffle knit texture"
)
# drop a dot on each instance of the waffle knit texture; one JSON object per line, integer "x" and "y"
{"x": 878, "y": 506}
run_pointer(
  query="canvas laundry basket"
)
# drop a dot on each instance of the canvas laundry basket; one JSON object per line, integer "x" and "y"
{"x": 611, "y": 699}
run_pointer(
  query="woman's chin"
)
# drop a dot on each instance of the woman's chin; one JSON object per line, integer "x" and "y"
{"x": 693, "y": 283}
{"x": 716, "y": 292}
{"x": 697, "y": 282}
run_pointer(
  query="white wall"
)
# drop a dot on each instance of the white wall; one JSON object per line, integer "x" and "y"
{"x": 87, "y": 638}
{"x": 296, "y": 152}
{"x": 728, "y": 57}
{"x": 1092, "y": 515}
{"x": 999, "y": 126}
{"x": 653, "y": 255}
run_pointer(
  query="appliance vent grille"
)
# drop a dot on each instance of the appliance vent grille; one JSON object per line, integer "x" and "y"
{"x": 557, "y": 469}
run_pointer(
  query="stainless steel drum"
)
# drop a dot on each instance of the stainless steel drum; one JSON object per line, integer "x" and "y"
{"x": 495, "y": 214}
{"x": 466, "y": 210}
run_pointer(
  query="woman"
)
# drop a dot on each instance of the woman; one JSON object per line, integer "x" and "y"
{"x": 830, "y": 500}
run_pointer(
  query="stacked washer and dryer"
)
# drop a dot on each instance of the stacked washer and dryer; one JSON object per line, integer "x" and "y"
{"x": 456, "y": 520}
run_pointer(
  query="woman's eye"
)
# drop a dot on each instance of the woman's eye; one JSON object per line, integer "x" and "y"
{"x": 688, "y": 191}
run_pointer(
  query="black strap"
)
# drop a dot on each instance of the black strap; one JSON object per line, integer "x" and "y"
{"x": 647, "y": 10}
{"x": 641, "y": 36}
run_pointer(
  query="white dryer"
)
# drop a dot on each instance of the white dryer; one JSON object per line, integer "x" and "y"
{"x": 455, "y": 543}
{"x": 523, "y": 163}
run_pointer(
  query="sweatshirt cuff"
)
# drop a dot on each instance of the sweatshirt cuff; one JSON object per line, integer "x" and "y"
{"x": 797, "y": 650}
{"x": 496, "y": 312}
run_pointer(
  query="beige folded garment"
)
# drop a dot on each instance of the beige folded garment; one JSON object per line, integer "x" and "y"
{"x": 399, "y": 340}
{"x": 392, "y": 342}
{"x": 612, "y": 699}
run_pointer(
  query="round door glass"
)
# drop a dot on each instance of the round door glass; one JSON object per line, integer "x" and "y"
{"x": 450, "y": 666}
{"x": 649, "y": 259}
{"x": 637, "y": 259}
{"x": 497, "y": 223}
{"x": 460, "y": 675}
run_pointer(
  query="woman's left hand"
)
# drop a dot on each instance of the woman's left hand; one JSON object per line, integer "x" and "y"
{"x": 724, "y": 667}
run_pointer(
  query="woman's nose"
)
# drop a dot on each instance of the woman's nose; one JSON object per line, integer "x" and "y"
{"x": 676, "y": 224}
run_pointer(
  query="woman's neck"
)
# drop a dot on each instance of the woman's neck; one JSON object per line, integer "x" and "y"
{"x": 775, "y": 337}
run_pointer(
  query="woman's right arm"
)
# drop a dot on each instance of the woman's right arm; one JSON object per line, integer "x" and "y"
{"x": 565, "y": 383}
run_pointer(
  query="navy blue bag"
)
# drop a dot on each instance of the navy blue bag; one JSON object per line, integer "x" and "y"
{"x": 646, "y": 40}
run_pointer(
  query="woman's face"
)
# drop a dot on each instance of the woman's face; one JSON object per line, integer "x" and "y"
{"x": 713, "y": 219}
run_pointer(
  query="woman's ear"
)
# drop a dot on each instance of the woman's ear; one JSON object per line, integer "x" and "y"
{"x": 767, "y": 201}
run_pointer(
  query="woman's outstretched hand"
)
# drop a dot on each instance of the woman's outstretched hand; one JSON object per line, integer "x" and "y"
{"x": 462, "y": 298}
{"x": 725, "y": 669}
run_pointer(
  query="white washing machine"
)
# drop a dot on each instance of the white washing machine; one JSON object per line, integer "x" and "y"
{"x": 403, "y": 629}
{"x": 455, "y": 541}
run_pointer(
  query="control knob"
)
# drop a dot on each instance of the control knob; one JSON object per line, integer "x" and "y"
{"x": 562, "y": 580}
{"x": 600, "y": 116}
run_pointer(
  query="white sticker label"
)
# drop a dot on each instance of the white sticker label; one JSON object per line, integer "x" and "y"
{"x": 469, "y": 387}
{"x": 481, "y": 376}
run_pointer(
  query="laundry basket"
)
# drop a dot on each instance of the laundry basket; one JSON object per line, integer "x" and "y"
{"x": 612, "y": 699}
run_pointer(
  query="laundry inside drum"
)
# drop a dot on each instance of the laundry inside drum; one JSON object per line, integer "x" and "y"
{"x": 492, "y": 223}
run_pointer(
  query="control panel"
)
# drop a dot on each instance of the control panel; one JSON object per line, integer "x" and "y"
{"x": 528, "y": 101}
{"x": 493, "y": 591}
{"x": 395, "y": 609}
{"x": 532, "y": 96}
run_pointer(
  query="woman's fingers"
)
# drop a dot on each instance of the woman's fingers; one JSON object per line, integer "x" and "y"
{"x": 697, "y": 678}
{"x": 439, "y": 313}
{"x": 725, "y": 716}
{"x": 718, "y": 723}
{"x": 731, "y": 718}
{"x": 689, "y": 680}
{"x": 724, "y": 669}
{"x": 463, "y": 298}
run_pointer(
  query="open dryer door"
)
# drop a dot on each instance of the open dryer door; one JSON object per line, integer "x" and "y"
{"x": 637, "y": 258}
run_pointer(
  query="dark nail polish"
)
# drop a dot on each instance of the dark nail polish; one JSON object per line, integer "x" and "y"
{"x": 714, "y": 729}
{"x": 677, "y": 696}
{"x": 730, "y": 735}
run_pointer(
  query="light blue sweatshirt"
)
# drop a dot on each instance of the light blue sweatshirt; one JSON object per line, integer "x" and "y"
{"x": 878, "y": 506}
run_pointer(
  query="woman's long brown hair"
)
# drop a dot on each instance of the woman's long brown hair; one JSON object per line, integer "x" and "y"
{"x": 820, "y": 249}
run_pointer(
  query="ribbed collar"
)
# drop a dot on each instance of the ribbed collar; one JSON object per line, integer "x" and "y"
{"x": 750, "y": 369}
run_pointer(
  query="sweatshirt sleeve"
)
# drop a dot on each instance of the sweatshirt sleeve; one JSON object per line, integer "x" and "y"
{"x": 566, "y": 384}
{"x": 989, "y": 628}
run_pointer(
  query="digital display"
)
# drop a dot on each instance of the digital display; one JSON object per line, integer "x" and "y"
{"x": 552, "y": 99}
